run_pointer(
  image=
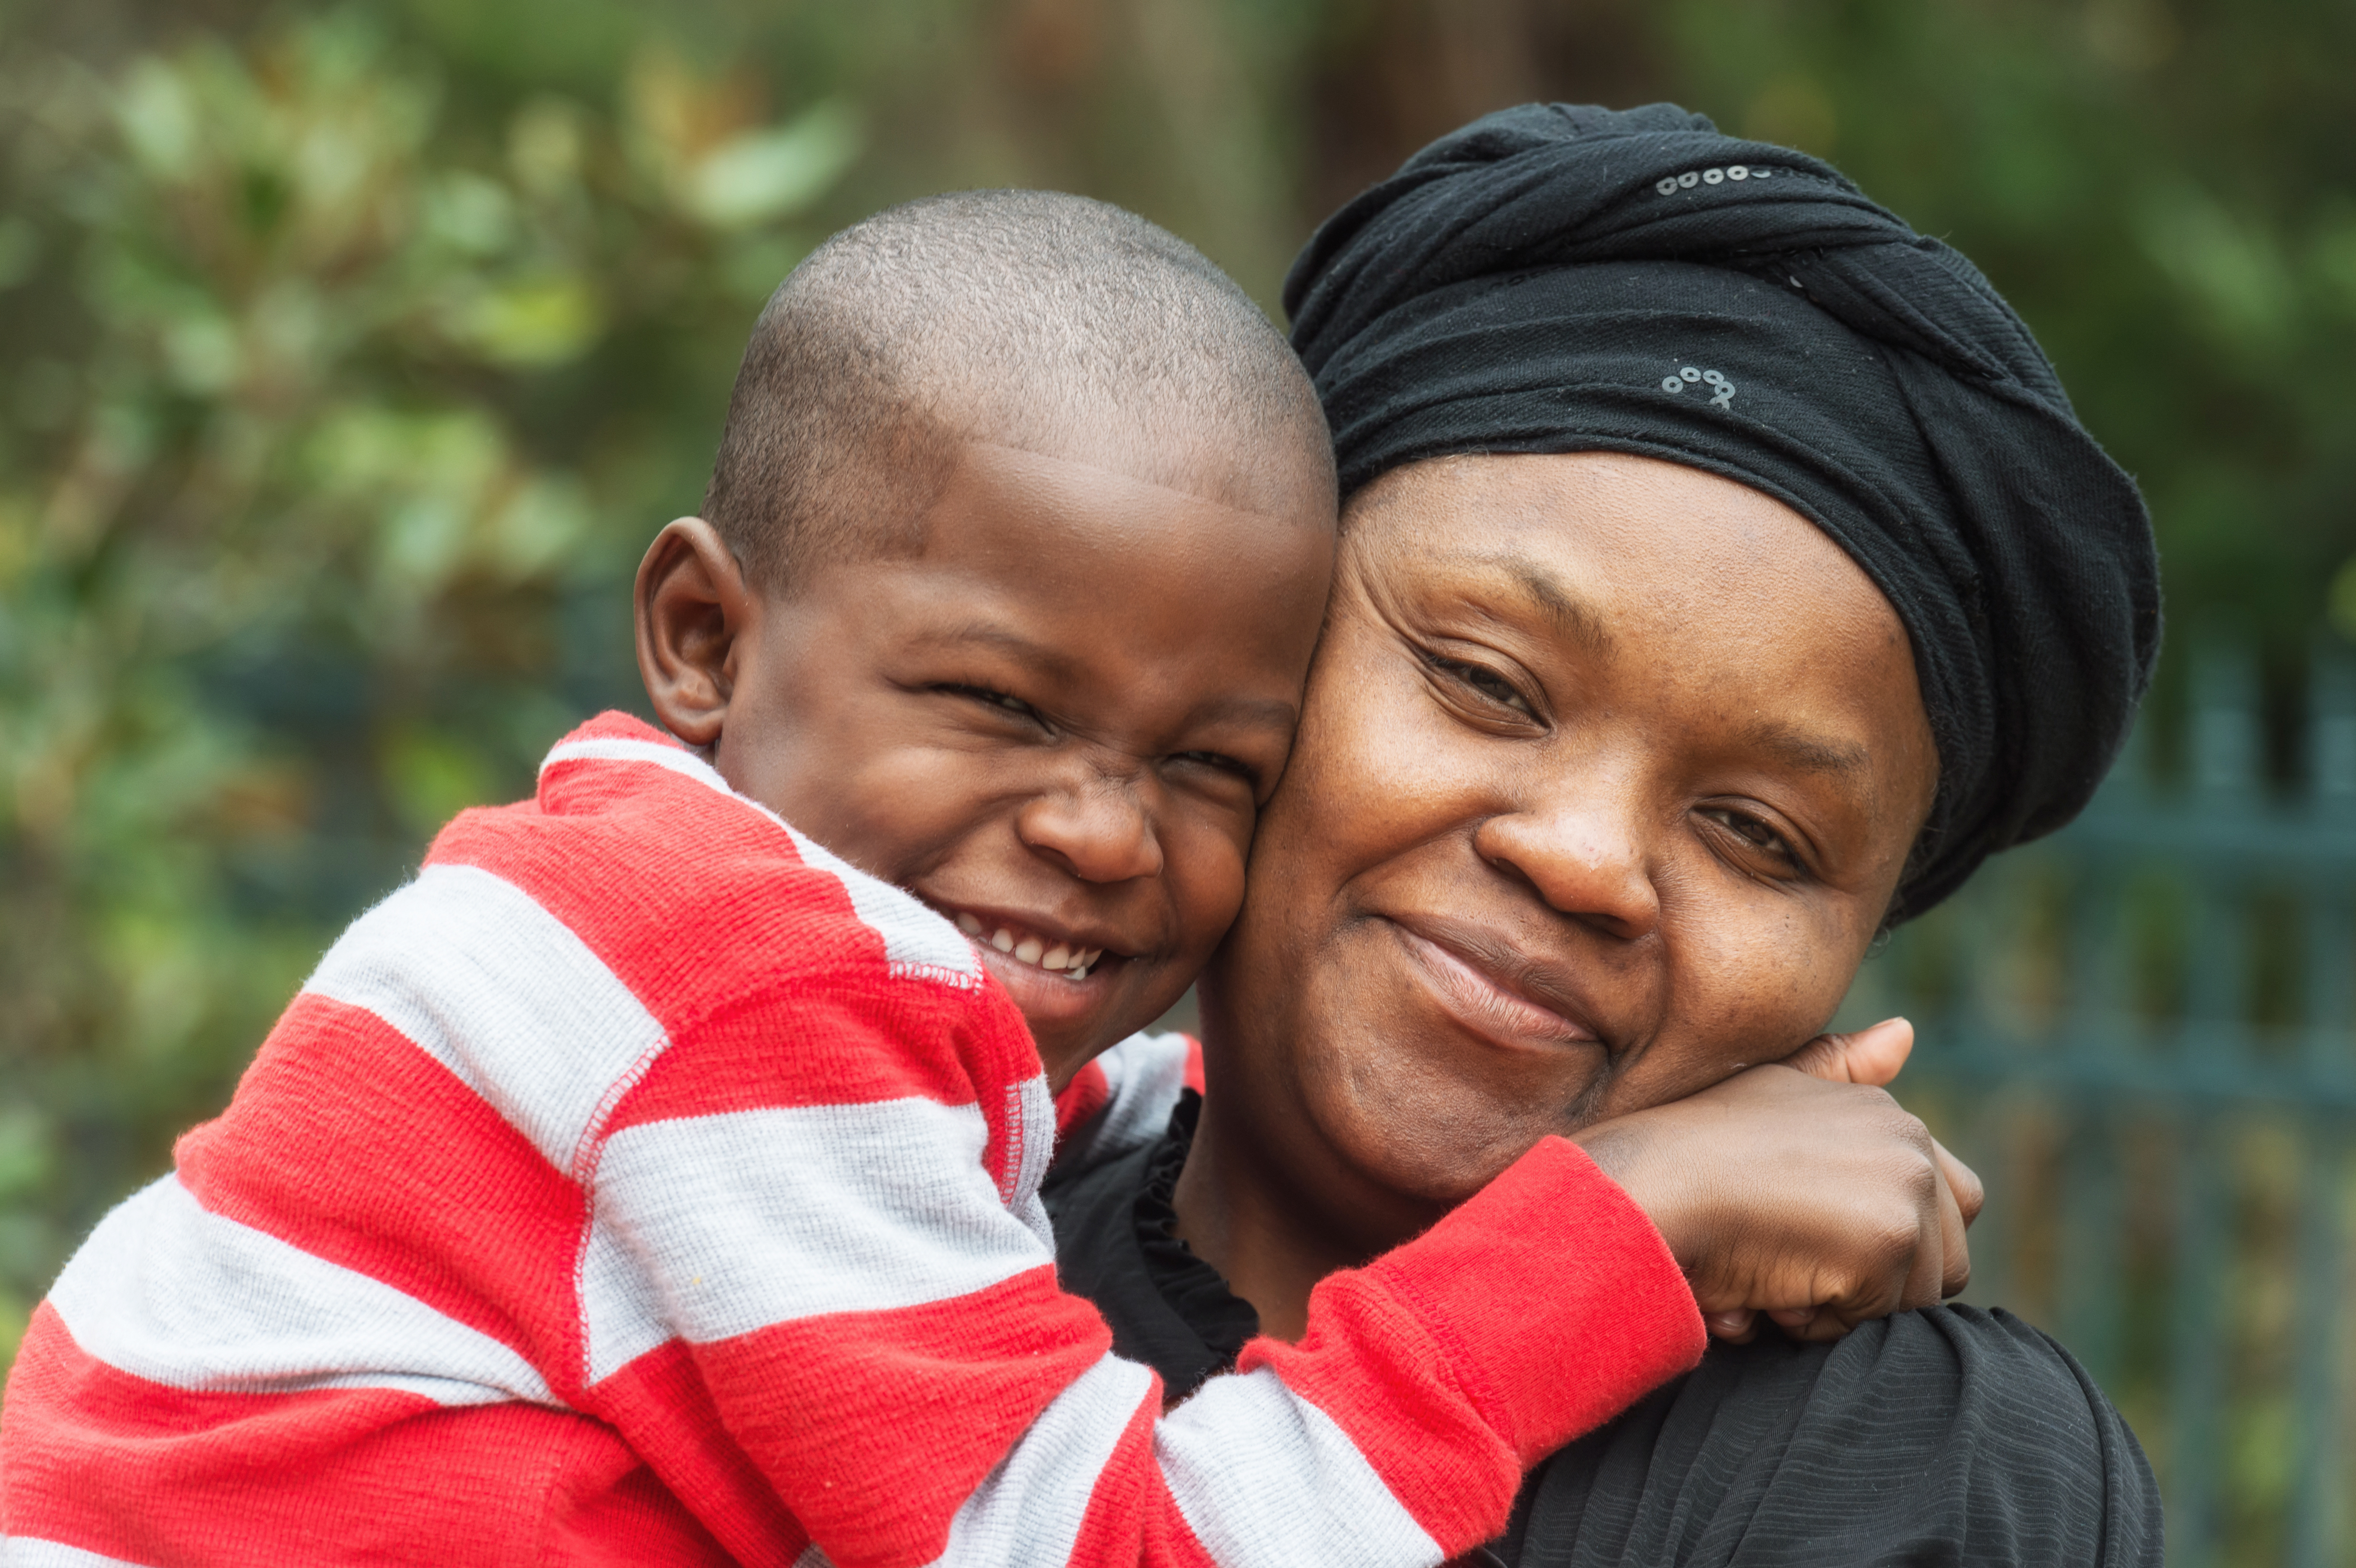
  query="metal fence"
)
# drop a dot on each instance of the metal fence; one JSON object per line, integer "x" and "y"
{"x": 2142, "y": 1033}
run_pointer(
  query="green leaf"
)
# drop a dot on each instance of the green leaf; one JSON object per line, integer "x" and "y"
{"x": 765, "y": 175}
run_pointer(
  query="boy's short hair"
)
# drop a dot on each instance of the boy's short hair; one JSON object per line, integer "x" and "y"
{"x": 1009, "y": 315}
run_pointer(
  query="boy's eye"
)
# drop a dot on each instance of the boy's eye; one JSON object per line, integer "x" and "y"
{"x": 1485, "y": 681}
{"x": 999, "y": 699}
{"x": 1223, "y": 763}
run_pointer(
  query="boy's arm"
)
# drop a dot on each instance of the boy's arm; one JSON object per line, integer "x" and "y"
{"x": 874, "y": 1321}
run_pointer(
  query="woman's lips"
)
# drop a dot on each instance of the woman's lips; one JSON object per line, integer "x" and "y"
{"x": 1482, "y": 1001}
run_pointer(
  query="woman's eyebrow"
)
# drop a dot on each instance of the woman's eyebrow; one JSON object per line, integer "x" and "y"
{"x": 1813, "y": 753}
{"x": 1562, "y": 606}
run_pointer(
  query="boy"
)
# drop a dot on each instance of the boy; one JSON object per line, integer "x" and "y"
{"x": 642, "y": 1182}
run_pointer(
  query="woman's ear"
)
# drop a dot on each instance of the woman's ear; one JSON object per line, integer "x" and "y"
{"x": 694, "y": 612}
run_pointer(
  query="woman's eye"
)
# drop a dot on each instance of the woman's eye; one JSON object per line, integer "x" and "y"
{"x": 1487, "y": 682}
{"x": 1754, "y": 832}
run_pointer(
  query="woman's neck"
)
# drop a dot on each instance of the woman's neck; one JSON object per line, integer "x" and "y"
{"x": 1232, "y": 1214}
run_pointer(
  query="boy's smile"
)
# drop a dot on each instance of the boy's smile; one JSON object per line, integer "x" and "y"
{"x": 1054, "y": 722}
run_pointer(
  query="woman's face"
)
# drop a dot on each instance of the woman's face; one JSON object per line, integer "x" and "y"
{"x": 1607, "y": 773}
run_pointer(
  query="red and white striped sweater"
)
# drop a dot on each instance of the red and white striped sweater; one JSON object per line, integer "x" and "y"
{"x": 641, "y": 1184}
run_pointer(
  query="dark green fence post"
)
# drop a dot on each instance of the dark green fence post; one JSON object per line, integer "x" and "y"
{"x": 2225, "y": 755}
{"x": 2330, "y": 1058}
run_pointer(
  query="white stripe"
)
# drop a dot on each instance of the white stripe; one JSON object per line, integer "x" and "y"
{"x": 1145, "y": 1074}
{"x": 1266, "y": 1479}
{"x": 1031, "y": 1123}
{"x": 812, "y": 1557}
{"x": 1029, "y": 1509}
{"x": 917, "y": 942}
{"x": 483, "y": 979}
{"x": 24, "y": 1551}
{"x": 166, "y": 1291}
{"x": 753, "y": 1218}
{"x": 677, "y": 759}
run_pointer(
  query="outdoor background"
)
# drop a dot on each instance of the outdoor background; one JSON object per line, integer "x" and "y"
{"x": 349, "y": 356}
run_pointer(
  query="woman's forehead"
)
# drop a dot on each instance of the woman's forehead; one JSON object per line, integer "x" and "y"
{"x": 1738, "y": 625}
{"x": 1593, "y": 539}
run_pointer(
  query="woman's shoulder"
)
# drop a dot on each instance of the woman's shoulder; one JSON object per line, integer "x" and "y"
{"x": 1948, "y": 1435}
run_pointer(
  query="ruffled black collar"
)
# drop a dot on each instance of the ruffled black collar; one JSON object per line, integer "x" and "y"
{"x": 1196, "y": 1291}
{"x": 1115, "y": 1244}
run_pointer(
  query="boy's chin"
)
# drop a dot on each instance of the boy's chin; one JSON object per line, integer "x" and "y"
{"x": 1073, "y": 1020}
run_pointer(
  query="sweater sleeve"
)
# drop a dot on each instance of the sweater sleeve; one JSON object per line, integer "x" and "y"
{"x": 850, "y": 1258}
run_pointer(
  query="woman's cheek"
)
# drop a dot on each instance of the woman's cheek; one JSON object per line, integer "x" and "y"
{"x": 1754, "y": 995}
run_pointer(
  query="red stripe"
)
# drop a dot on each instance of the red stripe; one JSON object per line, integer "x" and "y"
{"x": 1374, "y": 1367}
{"x": 680, "y": 891}
{"x": 1132, "y": 1517}
{"x": 661, "y": 1400}
{"x": 1449, "y": 1386}
{"x": 967, "y": 1375}
{"x": 816, "y": 1043}
{"x": 111, "y": 1464}
{"x": 351, "y": 1143}
{"x": 1086, "y": 1095}
{"x": 633, "y": 875}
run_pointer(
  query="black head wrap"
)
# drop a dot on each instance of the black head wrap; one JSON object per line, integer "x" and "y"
{"x": 1556, "y": 278}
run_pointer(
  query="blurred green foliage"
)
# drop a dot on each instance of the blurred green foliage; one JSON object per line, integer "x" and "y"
{"x": 331, "y": 414}
{"x": 352, "y": 355}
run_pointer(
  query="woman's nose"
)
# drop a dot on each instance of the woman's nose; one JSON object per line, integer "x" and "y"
{"x": 1098, "y": 832}
{"x": 1587, "y": 863}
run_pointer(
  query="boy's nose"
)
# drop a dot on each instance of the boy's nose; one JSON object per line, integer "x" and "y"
{"x": 1098, "y": 832}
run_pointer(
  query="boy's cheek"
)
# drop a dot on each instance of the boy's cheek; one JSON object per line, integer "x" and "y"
{"x": 1207, "y": 879}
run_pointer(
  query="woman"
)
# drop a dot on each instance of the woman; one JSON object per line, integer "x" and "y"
{"x": 1724, "y": 577}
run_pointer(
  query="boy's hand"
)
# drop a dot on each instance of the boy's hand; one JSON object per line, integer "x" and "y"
{"x": 1874, "y": 1055}
{"x": 1820, "y": 1202}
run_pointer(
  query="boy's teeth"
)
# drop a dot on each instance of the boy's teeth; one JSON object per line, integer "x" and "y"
{"x": 1073, "y": 963}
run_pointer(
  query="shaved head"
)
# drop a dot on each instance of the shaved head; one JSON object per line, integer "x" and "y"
{"x": 1030, "y": 319}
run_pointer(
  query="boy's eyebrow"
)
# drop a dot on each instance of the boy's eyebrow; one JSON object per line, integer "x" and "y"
{"x": 1053, "y": 660}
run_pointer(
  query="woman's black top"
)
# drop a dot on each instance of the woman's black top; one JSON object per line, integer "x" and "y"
{"x": 1951, "y": 1436}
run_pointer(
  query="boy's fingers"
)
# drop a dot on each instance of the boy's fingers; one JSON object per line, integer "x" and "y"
{"x": 1739, "y": 1326}
{"x": 1871, "y": 1055}
{"x": 1962, "y": 1182}
{"x": 1955, "y": 1247}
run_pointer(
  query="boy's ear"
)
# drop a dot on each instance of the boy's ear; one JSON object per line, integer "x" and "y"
{"x": 694, "y": 609}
